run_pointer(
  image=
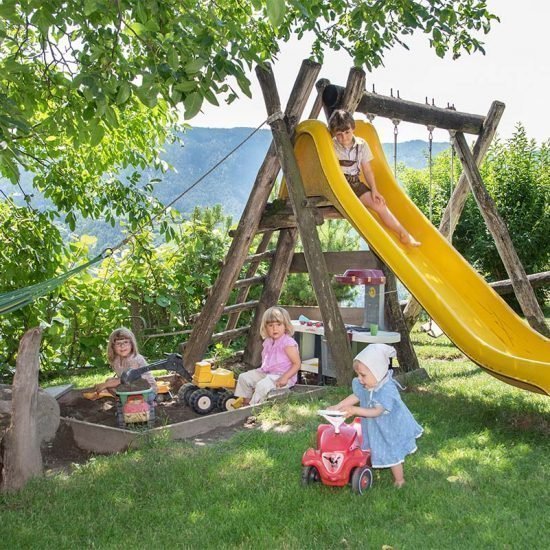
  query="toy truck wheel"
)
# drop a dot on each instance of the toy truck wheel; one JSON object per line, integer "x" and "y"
{"x": 361, "y": 480}
{"x": 309, "y": 475}
{"x": 202, "y": 401}
{"x": 220, "y": 397}
{"x": 185, "y": 392}
{"x": 227, "y": 401}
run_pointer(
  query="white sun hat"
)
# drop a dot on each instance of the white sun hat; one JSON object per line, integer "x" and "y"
{"x": 376, "y": 358}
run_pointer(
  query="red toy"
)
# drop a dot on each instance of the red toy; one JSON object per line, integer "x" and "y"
{"x": 338, "y": 459}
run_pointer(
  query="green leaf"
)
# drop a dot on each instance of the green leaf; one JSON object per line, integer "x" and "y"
{"x": 97, "y": 133}
{"x": 276, "y": 11}
{"x": 194, "y": 66}
{"x": 172, "y": 59}
{"x": 9, "y": 167}
{"x": 188, "y": 86}
{"x": 137, "y": 28}
{"x": 162, "y": 301}
{"x": 192, "y": 104}
{"x": 123, "y": 94}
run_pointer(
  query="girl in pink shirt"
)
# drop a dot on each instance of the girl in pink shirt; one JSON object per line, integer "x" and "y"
{"x": 280, "y": 359}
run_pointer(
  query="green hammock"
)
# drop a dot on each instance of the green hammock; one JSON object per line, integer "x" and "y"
{"x": 16, "y": 299}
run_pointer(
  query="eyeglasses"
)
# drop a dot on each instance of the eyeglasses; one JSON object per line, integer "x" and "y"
{"x": 122, "y": 343}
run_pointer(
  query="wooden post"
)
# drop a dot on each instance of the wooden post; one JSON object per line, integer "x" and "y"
{"x": 334, "y": 327}
{"x": 454, "y": 208}
{"x": 248, "y": 224}
{"x": 279, "y": 267}
{"x": 355, "y": 88}
{"x": 499, "y": 231}
{"x": 21, "y": 456}
{"x": 349, "y": 100}
{"x": 321, "y": 84}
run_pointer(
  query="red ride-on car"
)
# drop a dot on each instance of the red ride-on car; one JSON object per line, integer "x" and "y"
{"x": 338, "y": 459}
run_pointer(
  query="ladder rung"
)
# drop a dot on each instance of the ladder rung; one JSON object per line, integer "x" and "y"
{"x": 229, "y": 334}
{"x": 250, "y": 281}
{"x": 240, "y": 307}
{"x": 261, "y": 256}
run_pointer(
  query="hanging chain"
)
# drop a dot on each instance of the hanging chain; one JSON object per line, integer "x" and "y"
{"x": 430, "y": 166}
{"x": 451, "y": 185}
{"x": 395, "y": 134}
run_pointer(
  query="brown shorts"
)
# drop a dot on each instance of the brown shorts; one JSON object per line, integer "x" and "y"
{"x": 357, "y": 186}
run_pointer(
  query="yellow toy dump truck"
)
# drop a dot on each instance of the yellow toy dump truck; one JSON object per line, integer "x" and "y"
{"x": 209, "y": 388}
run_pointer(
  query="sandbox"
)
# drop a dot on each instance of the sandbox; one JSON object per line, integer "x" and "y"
{"x": 93, "y": 423}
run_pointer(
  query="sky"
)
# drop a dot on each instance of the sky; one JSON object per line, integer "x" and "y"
{"x": 514, "y": 70}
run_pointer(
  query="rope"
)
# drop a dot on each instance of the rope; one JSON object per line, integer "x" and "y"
{"x": 191, "y": 187}
{"x": 277, "y": 115}
{"x": 451, "y": 184}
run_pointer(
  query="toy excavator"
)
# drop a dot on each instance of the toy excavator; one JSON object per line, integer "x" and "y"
{"x": 206, "y": 390}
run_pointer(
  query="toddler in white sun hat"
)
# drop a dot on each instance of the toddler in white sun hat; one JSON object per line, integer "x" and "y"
{"x": 389, "y": 429}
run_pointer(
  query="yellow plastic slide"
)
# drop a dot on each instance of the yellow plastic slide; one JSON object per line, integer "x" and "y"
{"x": 459, "y": 300}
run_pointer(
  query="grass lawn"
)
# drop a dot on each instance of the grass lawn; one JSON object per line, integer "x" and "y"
{"x": 480, "y": 479}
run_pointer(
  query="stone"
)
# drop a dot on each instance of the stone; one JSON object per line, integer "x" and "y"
{"x": 47, "y": 409}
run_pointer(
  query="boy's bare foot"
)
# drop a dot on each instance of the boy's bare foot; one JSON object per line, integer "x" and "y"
{"x": 408, "y": 239}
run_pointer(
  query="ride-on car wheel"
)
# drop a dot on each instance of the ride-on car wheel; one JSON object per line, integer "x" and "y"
{"x": 185, "y": 392}
{"x": 361, "y": 479}
{"x": 310, "y": 475}
{"x": 202, "y": 401}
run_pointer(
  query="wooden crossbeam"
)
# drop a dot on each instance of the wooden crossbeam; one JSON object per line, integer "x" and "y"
{"x": 536, "y": 280}
{"x": 410, "y": 111}
{"x": 261, "y": 256}
{"x": 240, "y": 307}
{"x": 338, "y": 262}
{"x": 250, "y": 281}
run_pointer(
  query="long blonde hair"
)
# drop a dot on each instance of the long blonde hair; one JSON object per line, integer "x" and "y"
{"x": 120, "y": 334}
{"x": 279, "y": 315}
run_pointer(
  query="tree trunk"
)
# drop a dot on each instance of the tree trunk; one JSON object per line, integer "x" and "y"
{"x": 22, "y": 458}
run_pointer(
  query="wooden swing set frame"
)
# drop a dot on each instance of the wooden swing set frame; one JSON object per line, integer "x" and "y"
{"x": 302, "y": 215}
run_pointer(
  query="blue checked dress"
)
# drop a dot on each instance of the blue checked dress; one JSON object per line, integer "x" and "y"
{"x": 392, "y": 435}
